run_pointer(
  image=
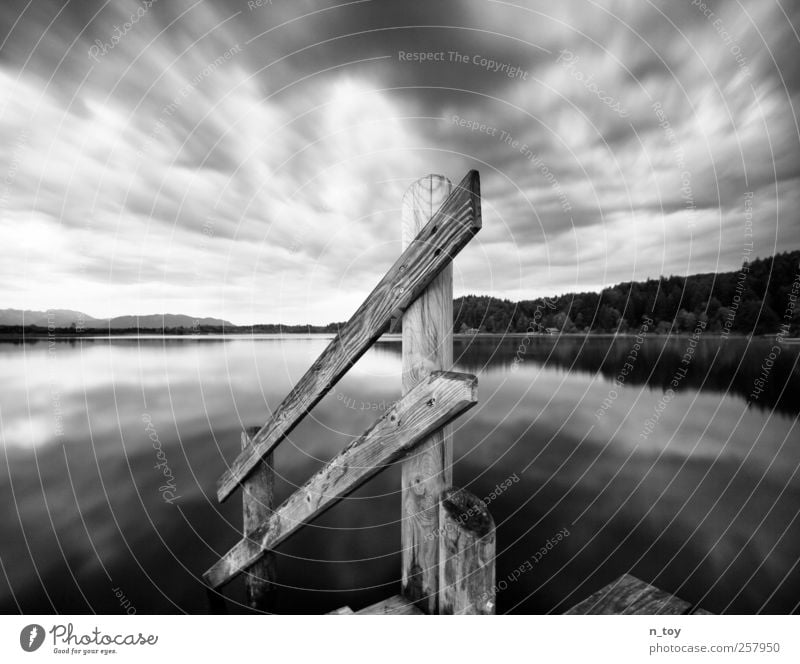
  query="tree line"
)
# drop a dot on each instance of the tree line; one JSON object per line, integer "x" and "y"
{"x": 752, "y": 300}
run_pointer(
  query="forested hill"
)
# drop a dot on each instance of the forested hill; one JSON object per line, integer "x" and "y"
{"x": 754, "y": 299}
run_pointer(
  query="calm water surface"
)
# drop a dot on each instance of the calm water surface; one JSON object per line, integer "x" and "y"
{"x": 702, "y": 501}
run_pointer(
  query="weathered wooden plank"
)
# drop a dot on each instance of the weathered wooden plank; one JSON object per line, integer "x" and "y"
{"x": 629, "y": 595}
{"x": 257, "y": 504}
{"x": 432, "y": 404}
{"x": 702, "y": 612}
{"x": 393, "y": 606}
{"x": 466, "y": 540}
{"x": 341, "y": 611}
{"x": 447, "y": 232}
{"x": 427, "y": 347}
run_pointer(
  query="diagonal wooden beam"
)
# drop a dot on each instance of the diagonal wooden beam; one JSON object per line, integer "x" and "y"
{"x": 430, "y": 405}
{"x": 447, "y": 232}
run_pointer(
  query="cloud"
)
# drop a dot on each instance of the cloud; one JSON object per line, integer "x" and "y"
{"x": 249, "y": 163}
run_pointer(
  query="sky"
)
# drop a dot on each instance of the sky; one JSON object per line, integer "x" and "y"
{"x": 247, "y": 160}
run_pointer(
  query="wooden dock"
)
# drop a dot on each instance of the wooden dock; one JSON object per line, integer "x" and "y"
{"x": 447, "y": 534}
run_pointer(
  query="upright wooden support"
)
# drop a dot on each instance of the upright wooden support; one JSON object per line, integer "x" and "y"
{"x": 257, "y": 507}
{"x": 427, "y": 347}
{"x": 466, "y": 555}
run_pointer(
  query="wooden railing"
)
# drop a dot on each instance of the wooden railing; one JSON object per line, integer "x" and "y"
{"x": 447, "y": 535}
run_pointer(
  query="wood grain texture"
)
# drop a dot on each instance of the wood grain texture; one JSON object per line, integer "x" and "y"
{"x": 396, "y": 605}
{"x": 427, "y": 347}
{"x": 341, "y": 611}
{"x": 448, "y": 231}
{"x": 257, "y": 504}
{"x": 432, "y": 404}
{"x": 466, "y": 555}
{"x": 629, "y": 595}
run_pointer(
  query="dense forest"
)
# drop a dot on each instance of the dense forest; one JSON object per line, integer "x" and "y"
{"x": 753, "y": 300}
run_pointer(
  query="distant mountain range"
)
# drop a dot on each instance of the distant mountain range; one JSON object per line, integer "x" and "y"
{"x": 65, "y": 318}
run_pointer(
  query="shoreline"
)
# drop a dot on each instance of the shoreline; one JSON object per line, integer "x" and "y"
{"x": 150, "y": 335}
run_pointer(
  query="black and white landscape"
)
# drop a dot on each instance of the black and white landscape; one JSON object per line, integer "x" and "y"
{"x": 195, "y": 198}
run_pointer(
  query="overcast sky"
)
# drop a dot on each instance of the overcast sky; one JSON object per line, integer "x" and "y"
{"x": 247, "y": 161}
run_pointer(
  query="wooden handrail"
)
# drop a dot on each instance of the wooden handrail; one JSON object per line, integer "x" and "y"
{"x": 430, "y": 405}
{"x": 447, "y": 232}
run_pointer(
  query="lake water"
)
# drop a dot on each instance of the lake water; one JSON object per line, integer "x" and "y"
{"x": 702, "y": 500}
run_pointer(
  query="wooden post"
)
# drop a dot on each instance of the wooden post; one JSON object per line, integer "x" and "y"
{"x": 427, "y": 347}
{"x": 466, "y": 555}
{"x": 257, "y": 507}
